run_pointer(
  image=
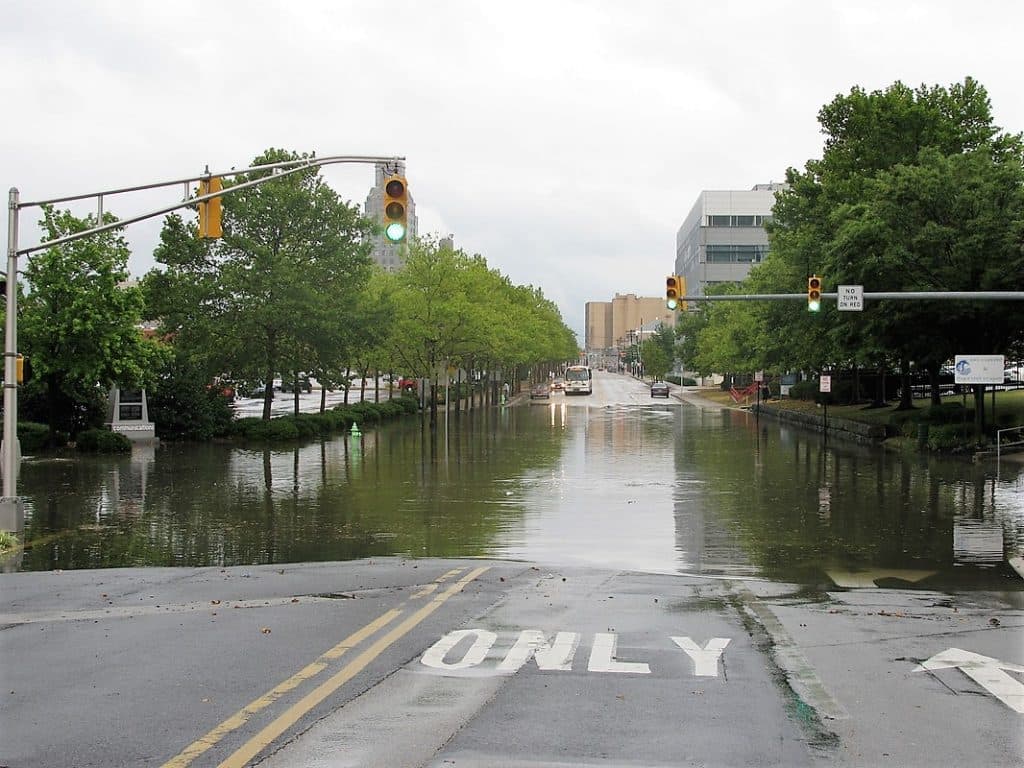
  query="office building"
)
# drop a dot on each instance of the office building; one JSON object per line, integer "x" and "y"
{"x": 389, "y": 255}
{"x": 612, "y": 324}
{"x": 724, "y": 236}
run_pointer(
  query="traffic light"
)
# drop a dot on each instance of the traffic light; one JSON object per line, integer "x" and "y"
{"x": 22, "y": 369}
{"x": 396, "y": 208}
{"x": 210, "y": 210}
{"x": 813, "y": 293}
{"x": 672, "y": 293}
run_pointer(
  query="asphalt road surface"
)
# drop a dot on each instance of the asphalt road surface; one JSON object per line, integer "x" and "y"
{"x": 485, "y": 663}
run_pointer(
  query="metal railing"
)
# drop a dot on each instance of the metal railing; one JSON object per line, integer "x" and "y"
{"x": 1018, "y": 443}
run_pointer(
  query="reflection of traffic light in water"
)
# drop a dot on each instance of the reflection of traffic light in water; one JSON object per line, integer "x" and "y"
{"x": 813, "y": 293}
{"x": 396, "y": 206}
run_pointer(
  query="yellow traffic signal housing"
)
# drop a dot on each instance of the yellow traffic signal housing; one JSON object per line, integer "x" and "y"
{"x": 22, "y": 369}
{"x": 210, "y": 210}
{"x": 396, "y": 208}
{"x": 672, "y": 293}
{"x": 813, "y": 293}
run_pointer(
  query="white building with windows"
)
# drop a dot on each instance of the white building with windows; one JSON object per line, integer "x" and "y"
{"x": 724, "y": 236}
{"x": 390, "y": 256}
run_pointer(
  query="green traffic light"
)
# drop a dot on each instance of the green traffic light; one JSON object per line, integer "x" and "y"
{"x": 671, "y": 303}
{"x": 395, "y": 231}
{"x": 813, "y": 306}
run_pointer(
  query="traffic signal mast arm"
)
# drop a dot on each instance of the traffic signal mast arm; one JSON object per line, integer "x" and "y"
{"x": 286, "y": 167}
{"x": 892, "y": 295}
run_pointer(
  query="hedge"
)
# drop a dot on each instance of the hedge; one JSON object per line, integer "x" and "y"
{"x": 102, "y": 441}
{"x": 310, "y": 425}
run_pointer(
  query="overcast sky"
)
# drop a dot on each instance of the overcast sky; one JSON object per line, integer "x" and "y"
{"x": 563, "y": 141}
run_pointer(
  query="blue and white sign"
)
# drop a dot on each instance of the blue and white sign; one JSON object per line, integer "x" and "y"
{"x": 978, "y": 369}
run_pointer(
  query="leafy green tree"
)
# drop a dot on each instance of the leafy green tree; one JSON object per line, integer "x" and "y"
{"x": 655, "y": 360}
{"x": 80, "y": 322}
{"x": 916, "y": 190}
{"x": 275, "y": 292}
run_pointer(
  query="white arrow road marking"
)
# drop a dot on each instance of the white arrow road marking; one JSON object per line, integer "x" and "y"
{"x": 985, "y": 671}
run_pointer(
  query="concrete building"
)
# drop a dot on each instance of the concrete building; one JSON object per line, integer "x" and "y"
{"x": 390, "y": 256}
{"x": 724, "y": 236}
{"x": 609, "y": 324}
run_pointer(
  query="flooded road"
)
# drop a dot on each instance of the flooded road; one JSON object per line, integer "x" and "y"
{"x": 611, "y": 480}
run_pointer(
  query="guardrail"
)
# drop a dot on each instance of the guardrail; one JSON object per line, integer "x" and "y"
{"x": 1018, "y": 443}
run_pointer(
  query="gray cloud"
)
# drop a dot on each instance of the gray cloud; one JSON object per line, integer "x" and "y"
{"x": 563, "y": 141}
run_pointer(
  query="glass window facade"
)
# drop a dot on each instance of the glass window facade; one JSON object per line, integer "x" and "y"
{"x": 738, "y": 221}
{"x": 733, "y": 254}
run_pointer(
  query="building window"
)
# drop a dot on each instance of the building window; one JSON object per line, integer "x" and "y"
{"x": 752, "y": 220}
{"x": 732, "y": 254}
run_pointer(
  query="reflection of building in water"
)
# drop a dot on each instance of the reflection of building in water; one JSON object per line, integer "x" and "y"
{"x": 704, "y": 543}
{"x": 126, "y": 492}
{"x": 978, "y": 542}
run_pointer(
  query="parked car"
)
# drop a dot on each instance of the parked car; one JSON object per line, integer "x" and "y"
{"x": 659, "y": 389}
{"x": 540, "y": 390}
{"x": 305, "y": 385}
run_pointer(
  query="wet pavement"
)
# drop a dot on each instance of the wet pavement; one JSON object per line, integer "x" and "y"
{"x": 590, "y": 581}
{"x": 476, "y": 662}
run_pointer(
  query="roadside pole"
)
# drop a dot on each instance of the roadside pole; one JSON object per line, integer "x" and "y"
{"x": 11, "y": 505}
{"x": 12, "y": 509}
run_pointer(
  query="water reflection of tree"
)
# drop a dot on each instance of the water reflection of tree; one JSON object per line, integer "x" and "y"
{"x": 398, "y": 489}
{"x": 796, "y": 505}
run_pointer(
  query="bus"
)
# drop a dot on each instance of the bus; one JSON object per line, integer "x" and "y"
{"x": 578, "y": 380}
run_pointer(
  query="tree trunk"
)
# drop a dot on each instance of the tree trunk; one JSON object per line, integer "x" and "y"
{"x": 933, "y": 382}
{"x": 979, "y": 407}
{"x": 906, "y": 395}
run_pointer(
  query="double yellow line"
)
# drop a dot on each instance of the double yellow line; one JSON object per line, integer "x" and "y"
{"x": 292, "y": 715}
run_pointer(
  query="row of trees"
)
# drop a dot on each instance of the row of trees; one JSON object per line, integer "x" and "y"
{"x": 916, "y": 190}
{"x": 289, "y": 289}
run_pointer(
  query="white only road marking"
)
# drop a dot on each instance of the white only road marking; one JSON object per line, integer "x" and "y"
{"x": 985, "y": 671}
{"x": 602, "y": 657}
{"x": 558, "y": 654}
{"x": 705, "y": 660}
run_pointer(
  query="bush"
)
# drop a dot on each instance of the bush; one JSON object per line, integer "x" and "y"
{"x": 804, "y": 390}
{"x": 102, "y": 441}
{"x": 949, "y": 438}
{"x": 184, "y": 405}
{"x": 33, "y": 436}
{"x": 947, "y": 413}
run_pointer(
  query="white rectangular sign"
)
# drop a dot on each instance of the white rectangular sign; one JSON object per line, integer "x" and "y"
{"x": 850, "y": 298}
{"x": 758, "y": 375}
{"x": 825, "y": 384}
{"x": 978, "y": 369}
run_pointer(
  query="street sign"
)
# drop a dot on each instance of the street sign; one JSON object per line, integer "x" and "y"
{"x": 758, "y": 375}
{"x": 850, "y": 298}
{"x": 825, "y": 384}
{"x": 978, "y": 369}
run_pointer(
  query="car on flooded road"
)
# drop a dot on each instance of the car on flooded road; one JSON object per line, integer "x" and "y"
{"x": 541, "y": 390}
{"x": 659, "y": 389}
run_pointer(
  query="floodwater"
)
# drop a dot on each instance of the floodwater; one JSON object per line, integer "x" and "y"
{"x": 660, "y": 488}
